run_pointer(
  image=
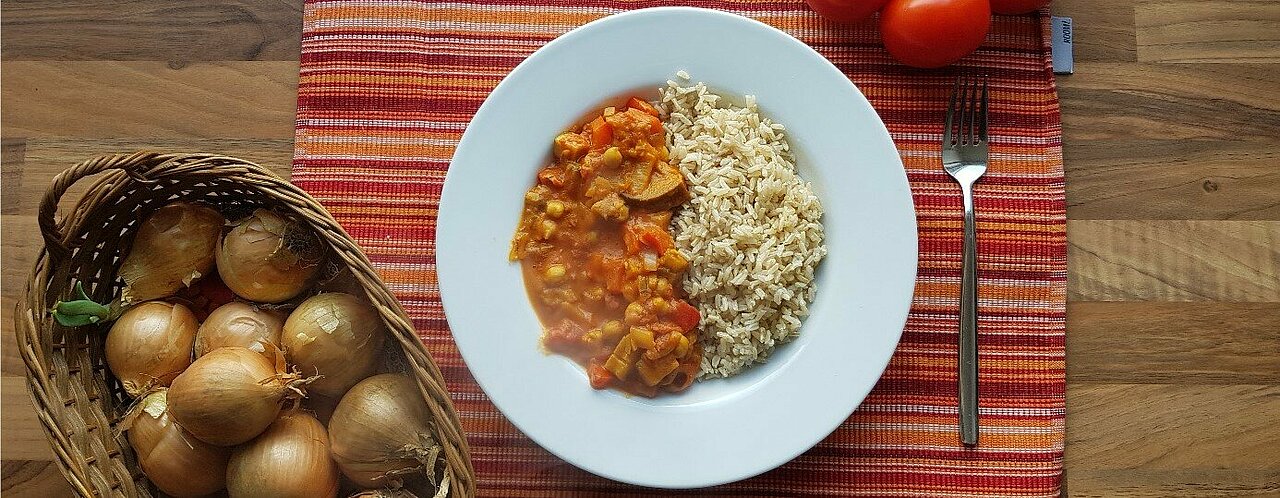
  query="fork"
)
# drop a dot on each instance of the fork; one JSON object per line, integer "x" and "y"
{"x": 964, "y": 156}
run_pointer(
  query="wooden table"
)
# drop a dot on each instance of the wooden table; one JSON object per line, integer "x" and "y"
{"x": 1172, "y": 128}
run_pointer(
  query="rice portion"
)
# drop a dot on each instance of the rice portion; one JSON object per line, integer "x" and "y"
{"x": 752, "y": 231}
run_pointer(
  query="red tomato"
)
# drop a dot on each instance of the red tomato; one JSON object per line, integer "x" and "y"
{"x": 686, "y": 316}
{"x": 934, "y": 33}
{"x": 638, "y": 233}
{"x": 600, "y": 378}
{"x": 642, "y": 105}
{"x": 1017, "y": 6}
{"x": 847, "y": 11}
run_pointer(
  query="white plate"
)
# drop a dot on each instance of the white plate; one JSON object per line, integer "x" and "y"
{"x": 717, "y": 431}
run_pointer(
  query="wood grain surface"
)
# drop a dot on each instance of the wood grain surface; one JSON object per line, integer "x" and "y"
{"x": 1171, "y": 127}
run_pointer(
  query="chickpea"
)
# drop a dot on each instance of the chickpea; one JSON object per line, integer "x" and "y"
{"x": 634, "y": 314}
{"x": 555, "y": 209}
{"x": 548, "y": 229}
{"x": 613, "y": 329}
{"x": 658, "y": 304}
{"x": 593, "y": 337}
{"x": 555, "y": 274}
{"x": 663, "y": 288}
{"x": 612, "y": 157}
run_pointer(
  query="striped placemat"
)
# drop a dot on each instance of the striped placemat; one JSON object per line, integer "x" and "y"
{"x": 387, "y": 87}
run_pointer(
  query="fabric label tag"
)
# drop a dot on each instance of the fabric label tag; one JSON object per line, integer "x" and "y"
{"x": 1063, "y": 58}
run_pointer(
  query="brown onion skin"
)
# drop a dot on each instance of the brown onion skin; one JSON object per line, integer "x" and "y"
{"x": 334, "y": 335}
{"x": 255, "y": 262}
{"x": 242, "y": 325}
{"x": 377, "y": 418}
{"x": 288, "y": 460}
{"x": 384, "y": 493}
{"x": 228, "y": 396}
{"x": 173, "y": 459}
{"x": 150, "y": 344}
{"x": 173, "y": 248}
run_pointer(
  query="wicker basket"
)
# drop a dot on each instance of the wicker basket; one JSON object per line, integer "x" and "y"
{"x": 75, "y": 396}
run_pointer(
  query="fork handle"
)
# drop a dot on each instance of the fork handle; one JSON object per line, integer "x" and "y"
{"x": 969, "y": 326}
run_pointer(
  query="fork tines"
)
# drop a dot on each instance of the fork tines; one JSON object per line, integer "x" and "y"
{"x": 972, "y": 108}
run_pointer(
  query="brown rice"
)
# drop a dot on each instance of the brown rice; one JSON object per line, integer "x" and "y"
{"x": 752, "y": 232}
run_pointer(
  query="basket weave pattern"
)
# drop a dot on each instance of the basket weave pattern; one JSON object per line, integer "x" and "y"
{"x": 76, "y": 398}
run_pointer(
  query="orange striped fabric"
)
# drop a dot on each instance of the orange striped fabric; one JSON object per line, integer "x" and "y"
{"x": 387, "y": 87}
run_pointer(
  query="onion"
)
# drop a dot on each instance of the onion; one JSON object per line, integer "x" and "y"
{"x": 336, "y": 336}
{"x": 384, "y": 493}
{"x": 381, "y": 431}
{"x": 230, "y": 395}
{"x": 174, "y": 460}
{"x": 174, "y": 247}
{"x": 650, "y": 259}
{"x": 290, "y": 459}
{"x": 268, "y": 258}
{"x": 240, "y": 324}
{"x": 150, "y": 344}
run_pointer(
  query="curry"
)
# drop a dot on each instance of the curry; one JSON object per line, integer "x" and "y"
{"x": 598, "y": 260}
